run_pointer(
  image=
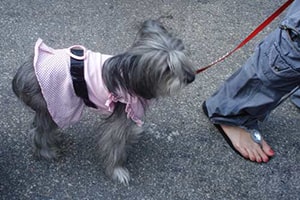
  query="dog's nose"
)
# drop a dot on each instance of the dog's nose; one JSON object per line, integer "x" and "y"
{"x": 190, "y": 78}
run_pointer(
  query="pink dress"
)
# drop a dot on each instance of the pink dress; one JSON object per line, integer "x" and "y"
{"x": 52, "y": 68}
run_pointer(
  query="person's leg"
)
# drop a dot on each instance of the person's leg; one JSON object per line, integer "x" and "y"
{"x": 293, "y": 8}
{"x": 250, "y": 94}
{"x": 295, "y": 98}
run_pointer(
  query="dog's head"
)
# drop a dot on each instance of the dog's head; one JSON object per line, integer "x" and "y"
{"x": 156, "y": 64}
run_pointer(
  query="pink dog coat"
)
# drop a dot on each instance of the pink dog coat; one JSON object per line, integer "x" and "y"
{"x": 52, "y": 68}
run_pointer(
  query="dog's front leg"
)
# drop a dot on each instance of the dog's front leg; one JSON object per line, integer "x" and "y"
{"x": 116, "y": 136}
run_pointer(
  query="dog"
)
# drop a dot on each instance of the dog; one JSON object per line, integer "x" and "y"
{"x": 58, "y": 83}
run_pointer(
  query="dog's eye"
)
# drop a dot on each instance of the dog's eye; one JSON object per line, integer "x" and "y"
{"x": 166, "y": 71}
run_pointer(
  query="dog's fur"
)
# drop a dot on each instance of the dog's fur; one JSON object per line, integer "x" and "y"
{"x": 156, "y": 65}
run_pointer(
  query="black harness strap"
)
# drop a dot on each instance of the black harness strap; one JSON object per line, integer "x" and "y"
{"x": 77, "y": 73}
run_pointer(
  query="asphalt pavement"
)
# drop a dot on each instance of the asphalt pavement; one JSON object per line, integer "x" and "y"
{"x": 180, "y": 155}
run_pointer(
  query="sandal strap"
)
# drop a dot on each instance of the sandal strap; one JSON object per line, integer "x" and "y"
{"x": 255, "y": 135}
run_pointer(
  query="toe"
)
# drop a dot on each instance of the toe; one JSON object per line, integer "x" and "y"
{"x": 253, "y": 151}
{"x": 243, "y": 151}
{"x": 267, "y": 149}
{"x": 257, "y": 155}
{"x": 263, "y": 156}
{"x": 260, "y": 156}
{"x": 258, "y": 160}
{"x": 253, "y": 156}
{"x": 245, "y": 154}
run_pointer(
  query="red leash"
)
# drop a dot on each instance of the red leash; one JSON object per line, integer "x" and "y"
{"x": 252, "y": 35}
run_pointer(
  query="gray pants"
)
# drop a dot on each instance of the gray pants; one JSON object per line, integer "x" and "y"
{"x": 273, "y": 71}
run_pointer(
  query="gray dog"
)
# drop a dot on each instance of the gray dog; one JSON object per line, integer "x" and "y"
{"x": 58, "y": 83}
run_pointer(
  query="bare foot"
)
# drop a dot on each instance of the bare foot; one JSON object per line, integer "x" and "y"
{"x": 244, "y": 144}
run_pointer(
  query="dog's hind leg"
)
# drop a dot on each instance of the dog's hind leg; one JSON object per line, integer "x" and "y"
{"x": 46, "y": 138}
{"x": 118, "y": 133}
{"x": 26, "y": 87}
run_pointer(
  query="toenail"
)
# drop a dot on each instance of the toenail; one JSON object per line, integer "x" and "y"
{"x": 266, "y": 160}
{"x": 252, "y": 159}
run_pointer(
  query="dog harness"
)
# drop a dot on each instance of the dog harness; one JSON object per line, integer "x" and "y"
{"x": 52, "y": 68}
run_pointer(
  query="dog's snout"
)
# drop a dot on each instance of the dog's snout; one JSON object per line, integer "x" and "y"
{"x": 190, "y": 78}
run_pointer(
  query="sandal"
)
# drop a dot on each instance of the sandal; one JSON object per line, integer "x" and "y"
{"x": 220, "y": 129}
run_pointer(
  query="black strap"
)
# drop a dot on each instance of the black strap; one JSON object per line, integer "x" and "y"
{"x": 77, "y": 73}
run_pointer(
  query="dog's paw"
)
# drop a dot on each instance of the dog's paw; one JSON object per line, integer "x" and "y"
{"x": 48, "y": 154}
{"x": 121, "y": 174}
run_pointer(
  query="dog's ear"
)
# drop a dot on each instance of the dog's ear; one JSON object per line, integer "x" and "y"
{"x": 112, "y": 73}
{"x": 124, "y": 72}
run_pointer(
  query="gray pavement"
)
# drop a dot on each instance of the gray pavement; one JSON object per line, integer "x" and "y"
{"x": 180, "y": 155}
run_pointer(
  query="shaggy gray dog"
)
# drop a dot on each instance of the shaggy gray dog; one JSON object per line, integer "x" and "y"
{"x": 156, "y": 65}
